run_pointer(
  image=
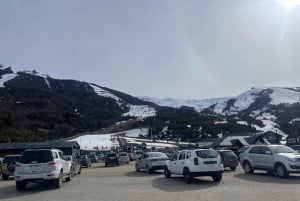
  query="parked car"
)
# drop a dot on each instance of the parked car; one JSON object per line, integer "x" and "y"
{"x": 150, "y": 161}
{"x": 42, "y": 165}
{"x": 76, "y": 166}
{"x": 8, "y": 166}
{"x": 130, "y": 154}
{"x": 137, "y": 154}
{"x": 193, "y": 163}
{"x": 280, "y": 159}
{"x": 123, "y": 157}
{"x": 229, "y": 159}
{"x": 94, "y": 158}
{"x": 111, "y": 159}
{"x": 84, "y": 160}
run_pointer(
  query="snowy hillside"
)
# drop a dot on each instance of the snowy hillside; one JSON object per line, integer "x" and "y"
{"x": 142, "y": 111}
{"x": 7, "y": 77}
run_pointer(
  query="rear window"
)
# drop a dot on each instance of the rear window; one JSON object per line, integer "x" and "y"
{"x": 111, "y": 155}
{"x": 30, "y": 157}
{"x": 228, "y": 153}
{"x": 158, "y": 155}
{"x": 139, "y": 152}
{"x": 122, "y": 154}
{"x": 10, "y": 159}
{"x": 207, "y": 154}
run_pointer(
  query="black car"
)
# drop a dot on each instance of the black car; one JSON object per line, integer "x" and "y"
{"x": 8, "y": 166}
{"x": 94, "y": 158}
{"x": 84, "y": 160}
{"x": 111, "y": 159}
{"x": 229, "y": 159}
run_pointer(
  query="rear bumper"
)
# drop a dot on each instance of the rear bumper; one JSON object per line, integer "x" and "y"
{"x": 212, "y": 173}
{"x": 37, "y": 177}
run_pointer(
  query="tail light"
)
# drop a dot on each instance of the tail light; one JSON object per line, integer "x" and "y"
{"x": 196, "y": 162}
{"x": 18, "y": 165}
{"x": 52, "y": 163}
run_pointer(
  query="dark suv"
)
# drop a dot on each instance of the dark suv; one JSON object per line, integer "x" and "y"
{"x": 229, "y": 159}
{"x": 111, "y": 159}
{"x": 84, "y": 160}
{"x": 8, "y": 166}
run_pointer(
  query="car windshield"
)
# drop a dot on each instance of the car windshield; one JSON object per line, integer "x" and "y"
{"x": 80, "y": 157}
{"x": 29, "y": 157}
{"x": 111, "y": 155}
{"x": 228, "y": 153}
{"x": 152, "y": 155}
{"x": 283, "y": 149}
{"x": 207, "y": 154}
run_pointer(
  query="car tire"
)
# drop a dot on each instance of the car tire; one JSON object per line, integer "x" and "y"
{"x": 281, "y": 171}
{"x": 217, "y": 178}
{"x": 167, "y": 172}
{"x": 136, "y": 168}
{"x": 58, "y": 182}
{"x": 69, "y": 178}
{"x": 20, "y": 185}
{"x": 4, "y": 177}
{"x": 247, "y": 168}
{"x": 233, "y": 168}
{"x": 188, "y": 178}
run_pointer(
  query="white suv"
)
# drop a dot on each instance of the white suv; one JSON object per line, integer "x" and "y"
{"x": 193, "y": 163}
{"x": 280, "y": 159}
{"x": 42, "y": 165}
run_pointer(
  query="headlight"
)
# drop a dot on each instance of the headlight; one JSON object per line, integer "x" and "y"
{"x": 291, "y": 159}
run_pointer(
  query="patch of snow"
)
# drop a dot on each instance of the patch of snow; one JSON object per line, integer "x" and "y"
{"x": 221, "y": 122}
{"x": 137, "y": 132}
{"x": 101, "y": 92}
{"x": 283, "y": 95}
{"x": 266, "y": 116}
{"x": 6, "y": 77}
{"x": 97, "y": 142}
{"x": 271, "y": 126}
{"x": 242, "y": 123}
{"x": 294, "y": 120}
{"x": 36, "y": 73}
{"x": 142, "y": 111}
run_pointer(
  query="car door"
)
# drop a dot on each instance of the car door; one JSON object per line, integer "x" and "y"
{"x": 266, "y": 159}
{"x": 254, "y": 156}
{"x": 181, "y": 162}
{"x": 63, "y": 161}
{"x": 173, "y": 163}
{"x": 142, "y": 161}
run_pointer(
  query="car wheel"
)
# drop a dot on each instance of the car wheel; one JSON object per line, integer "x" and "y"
{"x": 137, "y": 169}
{"x": 233, "y": 168}
{"x": 188, "y": 178}
{"x": 247, "y": 168}
{"x": 69, "y": 178}
{"x": 167, "y": 172}
{"x": 217, "y": 178}
{"x": 58, "y": 182}
{"x": 20, "y": 185}
{"x": 281, "y": 171}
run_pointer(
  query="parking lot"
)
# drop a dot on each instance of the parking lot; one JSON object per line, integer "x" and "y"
{"x": 123, "y": 183}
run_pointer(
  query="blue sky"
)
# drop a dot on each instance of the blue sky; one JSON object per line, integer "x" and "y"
{"x": 181, "y": 49}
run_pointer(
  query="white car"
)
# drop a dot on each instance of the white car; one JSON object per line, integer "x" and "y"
{"x": 193, "y": 163}
{"x": 137, "y": 154}
{"x": 150, "y": 161}
{"x": 41, "y": 165}
{"x": 123, "y": 157}
{"x": 280, "y": 159}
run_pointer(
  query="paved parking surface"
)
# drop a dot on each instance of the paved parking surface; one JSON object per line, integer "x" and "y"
{"x": 124, "y": 184}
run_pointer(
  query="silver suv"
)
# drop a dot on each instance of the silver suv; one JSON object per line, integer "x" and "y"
{"x": 42, "y": 165}
{"x": 280, "y": 159}
{"x": 193, "y": 163}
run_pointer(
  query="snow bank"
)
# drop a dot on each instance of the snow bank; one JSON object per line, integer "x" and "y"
{"x": 6, "y": 77}
{"x": 142, "y": 111}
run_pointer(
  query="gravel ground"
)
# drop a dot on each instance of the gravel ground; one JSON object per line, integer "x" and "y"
{"x": 124, "y": 184}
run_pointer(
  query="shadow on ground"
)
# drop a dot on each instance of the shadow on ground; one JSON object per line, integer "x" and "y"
{"x": 263, "y": 177}
{"x": 177, "y": 184}
{"x": 143, "y": 174}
